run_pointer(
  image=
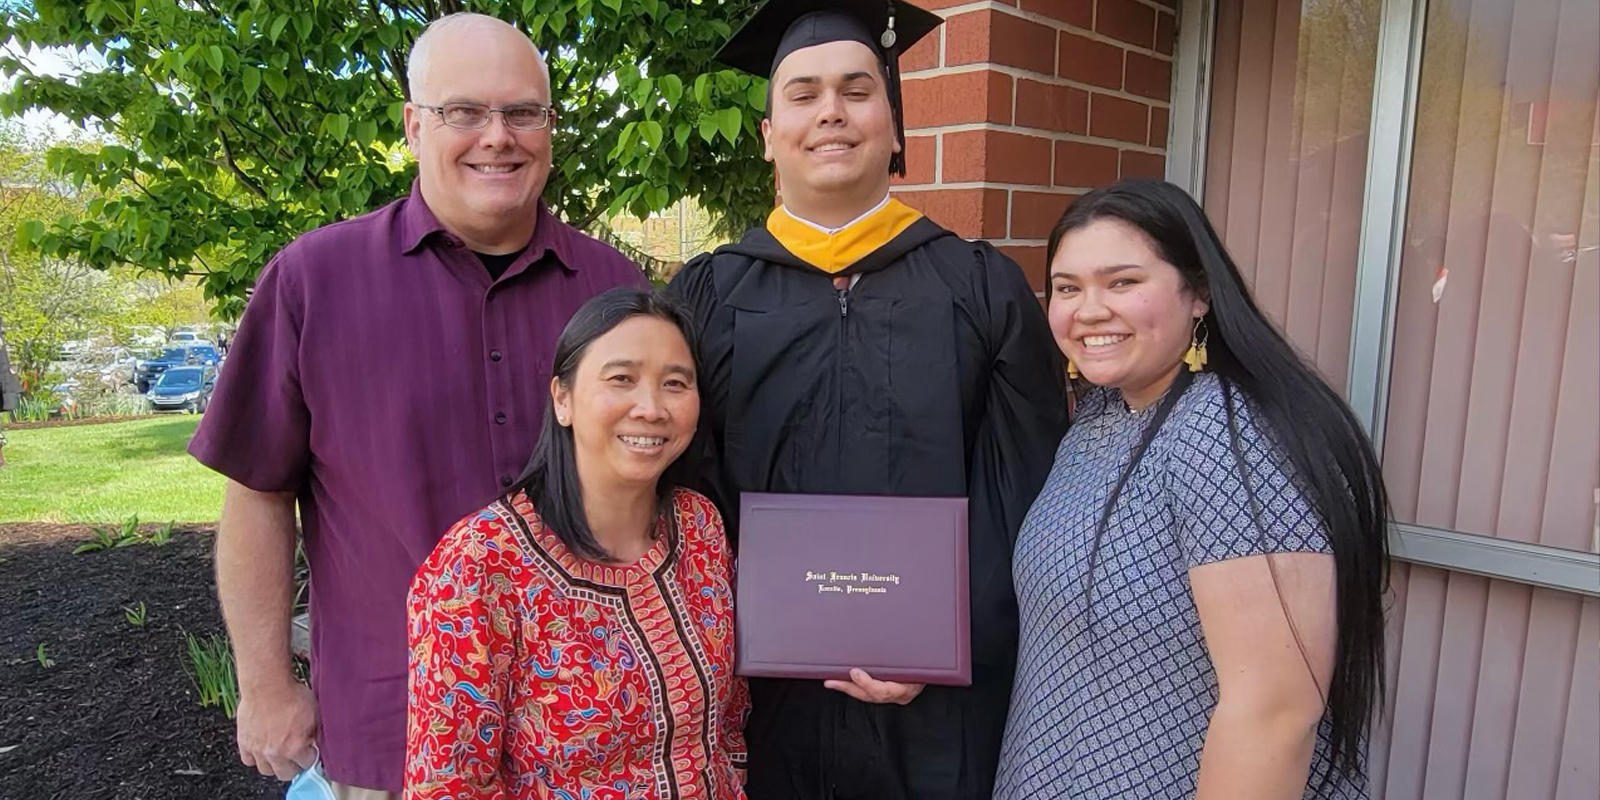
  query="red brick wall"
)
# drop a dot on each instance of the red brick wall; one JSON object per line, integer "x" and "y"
{"x": 1015, "y": 107}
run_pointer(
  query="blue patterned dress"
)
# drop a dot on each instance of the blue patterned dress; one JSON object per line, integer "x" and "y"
{"x": 1114, "y": 703}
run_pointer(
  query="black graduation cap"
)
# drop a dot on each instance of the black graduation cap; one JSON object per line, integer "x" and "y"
{"x": 780, "y": 27}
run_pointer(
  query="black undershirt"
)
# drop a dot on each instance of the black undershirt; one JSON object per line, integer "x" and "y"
{"x": 496, "y": 264}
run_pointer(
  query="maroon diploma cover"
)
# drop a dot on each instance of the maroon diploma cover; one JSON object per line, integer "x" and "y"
{"x": 831, "y": 582}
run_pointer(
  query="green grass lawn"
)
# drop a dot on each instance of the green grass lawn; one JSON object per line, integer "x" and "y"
{"x": 105, "y": 473}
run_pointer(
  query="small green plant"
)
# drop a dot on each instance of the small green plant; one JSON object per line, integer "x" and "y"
{"x": 161, "y": 537}
{"x": 210, "y": 667}
{"x": 34, "y": 408}
{"x": 104, "y": 539}
{"x": 43, "y": 658}
{"x": 108, "y": 538}
{"x": 137, "y": 615}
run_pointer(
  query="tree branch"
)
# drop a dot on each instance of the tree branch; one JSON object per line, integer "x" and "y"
{"x": 233, "y": 166}
{"x": 245, "y": 126}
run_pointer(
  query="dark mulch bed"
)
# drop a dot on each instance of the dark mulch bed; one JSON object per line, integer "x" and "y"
{"x": 68, "y": 423}
{"x": 116, "y": 716}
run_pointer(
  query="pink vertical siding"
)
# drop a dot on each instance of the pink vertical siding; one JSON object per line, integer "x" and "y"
{"x": 1494, "y": 685}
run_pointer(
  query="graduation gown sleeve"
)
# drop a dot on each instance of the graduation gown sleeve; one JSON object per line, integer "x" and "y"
{"x": 1024, "y": 418}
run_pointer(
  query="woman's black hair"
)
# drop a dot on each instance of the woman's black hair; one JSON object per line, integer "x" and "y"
{"x": 1317, "y": 432}
{"x": 551, "y": 478}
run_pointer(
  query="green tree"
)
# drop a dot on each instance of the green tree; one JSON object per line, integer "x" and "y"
{"x": 45, "y": 301}
{"x": 239, "y": 124}
{"x": 159, "y": 302}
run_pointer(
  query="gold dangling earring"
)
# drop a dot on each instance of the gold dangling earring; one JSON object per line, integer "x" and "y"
{"x": 1072, "y": 371}
{"x": 1196, "y": 357}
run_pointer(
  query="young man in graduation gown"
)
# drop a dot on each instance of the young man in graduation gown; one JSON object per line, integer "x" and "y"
{"x": 853, "y": 346}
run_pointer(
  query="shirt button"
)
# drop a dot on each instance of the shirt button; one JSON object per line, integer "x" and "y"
{"x": 494, "y": 355}
{"x": 505, "y": 480}
{"x": 500, "y": 418}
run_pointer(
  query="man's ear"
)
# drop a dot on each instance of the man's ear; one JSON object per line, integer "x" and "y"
{"x": 412, "y": 120}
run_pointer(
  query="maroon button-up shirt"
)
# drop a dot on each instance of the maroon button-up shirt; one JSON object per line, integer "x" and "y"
{"x": 380, "y": 375}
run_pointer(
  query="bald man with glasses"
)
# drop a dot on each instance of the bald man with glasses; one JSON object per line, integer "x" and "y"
{"x": 387, "y": 379}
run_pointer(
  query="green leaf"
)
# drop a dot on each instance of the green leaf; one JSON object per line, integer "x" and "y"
{"x": 614, "y": 5}
{"x": 730, "y": 122}
{"x": 681, "y": 132}
{"x": 305, "y": 25}
{"x": 651, "y": 131}
{"x": 708, "y": 128}
{"x": 276, "y": 81}
{"x": 338, "y": 126}
{"x": 623, "y": 141}
{"x": 214, "y": 55}
{"x": 30, "y": 232}
{"x": 277, "y": 28}
{"x": 757, "y": 95}
{"x": 702, "y": 88}
{"x": 642, "y": 90}
{"x": 672, "y": 89}
{"x": 252, "y": 80}
{"x": 366, "y": 132}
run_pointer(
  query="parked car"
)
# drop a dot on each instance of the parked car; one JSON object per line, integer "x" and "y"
{"x": 146, "y": 371}
{"x": 207, "y": 353}
{"x": 183, "y": 389}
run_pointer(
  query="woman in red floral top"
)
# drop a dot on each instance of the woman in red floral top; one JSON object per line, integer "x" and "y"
{"x": 575, "y": 638}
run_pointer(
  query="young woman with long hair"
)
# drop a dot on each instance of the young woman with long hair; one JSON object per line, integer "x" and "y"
{"x": 1201, "y": 579}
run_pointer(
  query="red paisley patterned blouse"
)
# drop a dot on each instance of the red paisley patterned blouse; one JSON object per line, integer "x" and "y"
{"x": 538, "y": 674}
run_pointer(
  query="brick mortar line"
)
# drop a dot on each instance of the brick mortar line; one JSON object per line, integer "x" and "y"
{"x": 1011, "y": 210}
{"x": 1009, "y": 187}
{"x": 1016, "y": 87}
{"x": 1054, "y": 136}
{"x": 1058, "y": 25}
{"x": 1048, "y": 80}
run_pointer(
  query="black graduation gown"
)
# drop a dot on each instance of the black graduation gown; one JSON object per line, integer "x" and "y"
{"x": 935, "y": 375}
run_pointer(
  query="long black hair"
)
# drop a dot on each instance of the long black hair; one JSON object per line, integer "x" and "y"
{"x": 551, "y": 478}
{"x": 1313, "y": 426}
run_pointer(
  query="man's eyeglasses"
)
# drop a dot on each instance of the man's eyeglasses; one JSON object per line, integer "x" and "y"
{"x": 529, "y": 117}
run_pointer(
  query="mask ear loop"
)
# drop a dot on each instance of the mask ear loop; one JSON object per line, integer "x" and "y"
{"x": 312, "y": 778}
